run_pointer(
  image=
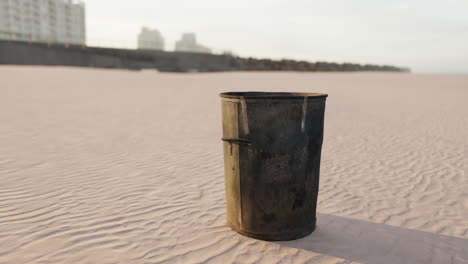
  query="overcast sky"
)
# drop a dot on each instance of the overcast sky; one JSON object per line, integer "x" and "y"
{"x": 425, "y": 35}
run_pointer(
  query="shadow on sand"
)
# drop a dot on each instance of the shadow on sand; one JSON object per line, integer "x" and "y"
{"x": 367, "y": 242}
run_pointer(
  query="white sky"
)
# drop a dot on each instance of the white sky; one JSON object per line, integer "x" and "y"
{"x": 425, "y": 35}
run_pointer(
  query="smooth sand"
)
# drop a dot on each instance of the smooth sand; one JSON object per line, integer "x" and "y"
{"x": 108, "y": 166}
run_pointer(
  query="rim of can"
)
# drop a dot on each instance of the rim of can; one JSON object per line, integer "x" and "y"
{"x": 271, "y": 95}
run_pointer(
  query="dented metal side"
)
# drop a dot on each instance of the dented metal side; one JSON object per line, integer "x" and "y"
{"x": 272, "y": 164}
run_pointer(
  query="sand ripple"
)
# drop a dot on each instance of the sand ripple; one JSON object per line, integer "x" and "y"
{"x": 121, "y": 167}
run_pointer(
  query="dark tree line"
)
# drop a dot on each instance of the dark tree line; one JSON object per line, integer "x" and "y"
{"x": 252, "y": 64}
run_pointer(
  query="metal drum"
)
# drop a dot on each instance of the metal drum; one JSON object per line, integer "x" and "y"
{"x": 272, "y": 147}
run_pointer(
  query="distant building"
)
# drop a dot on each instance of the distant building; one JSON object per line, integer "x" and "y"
{"x": 57, "y": 21}
{"x": 188, "y": 43}
{"x": 229, "y": 53}
{"x": 150, "y": 39}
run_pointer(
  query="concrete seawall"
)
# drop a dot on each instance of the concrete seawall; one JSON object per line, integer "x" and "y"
{"x": 24, "y": 53}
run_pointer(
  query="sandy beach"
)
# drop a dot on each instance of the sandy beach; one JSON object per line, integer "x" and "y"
{"x": 110, "y": 166}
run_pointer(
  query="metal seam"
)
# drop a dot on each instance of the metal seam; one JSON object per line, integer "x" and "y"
{"x": 304, "y": 114}
{"x": 245, "y": 119}
{"x": 238, "y": 169}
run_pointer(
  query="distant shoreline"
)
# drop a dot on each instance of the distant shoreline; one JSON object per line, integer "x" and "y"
{"x": 37, "y": 53}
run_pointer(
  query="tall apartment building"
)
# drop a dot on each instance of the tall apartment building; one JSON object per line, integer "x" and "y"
{"x": 188, "y": 43}
{"x": 56, "y": 21}
{"x": 150, "y": 39}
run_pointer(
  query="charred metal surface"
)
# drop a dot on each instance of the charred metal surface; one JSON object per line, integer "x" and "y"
{"x": 272, "y": 147}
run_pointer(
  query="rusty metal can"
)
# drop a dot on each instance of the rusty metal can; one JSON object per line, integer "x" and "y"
{"x": 272, "y": 149}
